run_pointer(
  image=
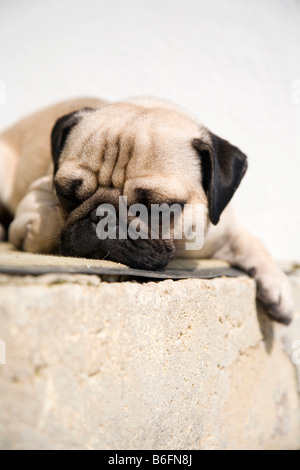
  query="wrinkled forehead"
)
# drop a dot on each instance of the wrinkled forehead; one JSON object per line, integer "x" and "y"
{"x": 131, "y": 121}
{"x": 126, "y": 142}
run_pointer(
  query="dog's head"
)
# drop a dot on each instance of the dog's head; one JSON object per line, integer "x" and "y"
{"x": 149, "y": 153}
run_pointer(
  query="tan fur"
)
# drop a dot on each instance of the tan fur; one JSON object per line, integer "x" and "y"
{"x": 28, "y": 142}
{"x": 152, "y": 146}
{"x": 137, "y": 143}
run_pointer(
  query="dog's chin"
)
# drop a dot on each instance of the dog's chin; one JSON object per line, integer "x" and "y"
{"x": 80, "y": 240}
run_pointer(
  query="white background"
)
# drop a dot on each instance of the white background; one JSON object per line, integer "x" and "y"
{"x": 232, "y": 63}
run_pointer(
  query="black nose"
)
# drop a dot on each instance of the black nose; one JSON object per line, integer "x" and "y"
{"x": 67, "y": 189}
{"x": 93, "y": 217}
{"x": 110, "y": 222}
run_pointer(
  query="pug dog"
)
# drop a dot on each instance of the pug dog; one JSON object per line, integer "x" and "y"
{"x": 59, "y": 165}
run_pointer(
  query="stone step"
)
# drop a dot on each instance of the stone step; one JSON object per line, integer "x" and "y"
{"x": 172, "y": 364}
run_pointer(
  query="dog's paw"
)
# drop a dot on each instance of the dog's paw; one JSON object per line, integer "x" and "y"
{"x": 275, "y": 292}
{"x": 38, "y": 222}
{"x": 36, "y": 232}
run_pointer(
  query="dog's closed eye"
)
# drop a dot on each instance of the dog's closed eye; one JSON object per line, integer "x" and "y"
{"x": 68, "y": 192}
{"x": 68, "y": 189}
{"x": 147, "y": 197}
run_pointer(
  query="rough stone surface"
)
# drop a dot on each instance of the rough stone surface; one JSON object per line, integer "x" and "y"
{"x": 189, "y": 364}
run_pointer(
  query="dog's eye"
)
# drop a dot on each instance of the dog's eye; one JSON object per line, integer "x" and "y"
{"x": 68, "y": 189}
{"x": 67, "y": 192}
{"x": 148, "y": 197}
{"x": 145, "y": 197}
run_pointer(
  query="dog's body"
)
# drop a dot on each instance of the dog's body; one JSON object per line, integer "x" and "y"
{"x": 151, "y": 152}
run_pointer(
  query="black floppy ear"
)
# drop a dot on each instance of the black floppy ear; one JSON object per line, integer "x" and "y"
{"x": 59, "y": 135}
{"x": 60, "y": 132}
{"x": 223, "y": 167}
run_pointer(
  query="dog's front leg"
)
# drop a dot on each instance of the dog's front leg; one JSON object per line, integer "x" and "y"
{"x": 38, "y": 222}
{"x": 235, "y": 245}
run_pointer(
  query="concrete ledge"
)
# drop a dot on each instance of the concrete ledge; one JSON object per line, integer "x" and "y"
{"x": 187, "y": 364}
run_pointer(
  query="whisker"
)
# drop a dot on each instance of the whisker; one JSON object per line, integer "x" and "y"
{"x": 107, "y": 254}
